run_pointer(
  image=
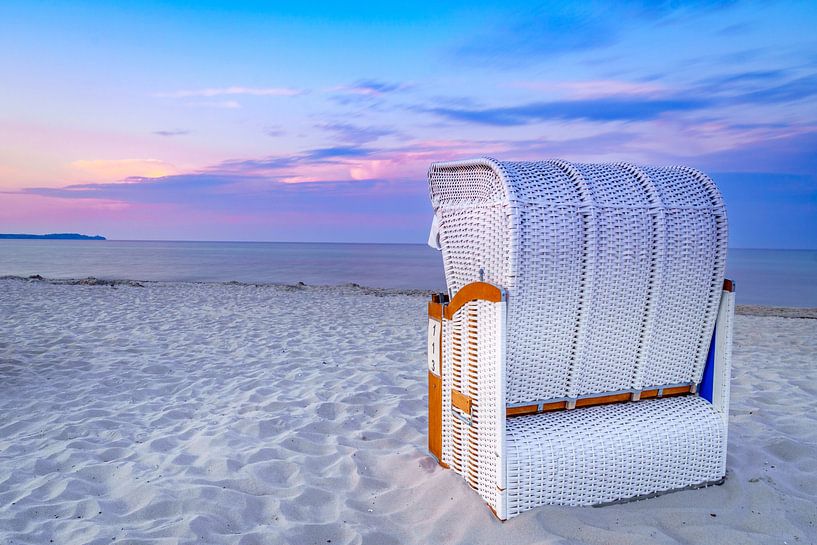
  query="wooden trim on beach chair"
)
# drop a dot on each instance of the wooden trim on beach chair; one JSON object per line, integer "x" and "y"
{"x": 461, "y": 401}
{"x": 475, "y": 291}
{"x": 435, "y": 311}
{"x": 435, "y": 384}
{"x": 533, "y": 409}
{"x": 601, "y": 399}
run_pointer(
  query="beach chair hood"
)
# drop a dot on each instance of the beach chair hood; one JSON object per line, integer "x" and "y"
{"x": 615, "y": 270}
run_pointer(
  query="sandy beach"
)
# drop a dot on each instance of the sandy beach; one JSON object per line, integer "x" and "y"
{"x": 257, "y": 414}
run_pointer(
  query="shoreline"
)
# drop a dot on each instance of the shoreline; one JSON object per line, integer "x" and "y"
{"x": 805, "y": 313}
{"x": 93, "y": 281}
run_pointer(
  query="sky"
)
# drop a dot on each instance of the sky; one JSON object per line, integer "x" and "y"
{"x": 316, "y": 121}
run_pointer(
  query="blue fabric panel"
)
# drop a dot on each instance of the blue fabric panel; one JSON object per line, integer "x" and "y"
{"x": 707, "y": 382}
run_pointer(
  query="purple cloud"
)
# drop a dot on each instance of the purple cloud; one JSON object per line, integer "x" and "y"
{"x": 354, "y": 134}
{"x": 754, "y": 76}
{"x": 263, "y": 164}
{"x": 596, "y": 109}
{"x": 374, "y": 87}
{"x": 794, "y": 155}
{"x": 174, "y": 132}
{"x": 256, "y": 194}
{"x": 280, "y": 166}
{"x": 791, "y": 91}
{"x": 337, "y": 152}
{"x": 741, "y": 88}
{"x": 274, "y": 131}
{"x": 368, "y": 92}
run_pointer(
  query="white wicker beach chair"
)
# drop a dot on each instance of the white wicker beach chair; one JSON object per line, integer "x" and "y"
{"x": 582, "y": 354}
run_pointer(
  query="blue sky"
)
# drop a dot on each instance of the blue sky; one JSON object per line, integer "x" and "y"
{"x": 317, "y": 121}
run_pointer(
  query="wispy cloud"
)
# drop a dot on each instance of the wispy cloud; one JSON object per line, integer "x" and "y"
{"x": 348, "y": 189}
{"x": 737, "y": 79}
{"x": 337, "y": 152}
{"x": 735, "y": 29}
{"x": 370, "y": 87}
{"x": 533, "y": 35}
{"x": 793, "y": 153}
{"x": 592, "y": 88}
{"x": 233, "y": 91}
{"x": 601, "y": 109}
{"x": 298, "y": 166}
{"x": 611, "y": 100}
{"x": 341, "y": 206}
{"x": 355, "y": 134}
{"x": 367, "y": 91}
{"x": 173, "y": 132}
{"x": 759, "y": 87}
{"x": 223, "y": 104}
{"x": 555, "y": 28}
{"x": 791, "y": 91}
{"x": 258, "y": 165}
{"x": 118, "y": 169}
{"x": 274, "y": 130}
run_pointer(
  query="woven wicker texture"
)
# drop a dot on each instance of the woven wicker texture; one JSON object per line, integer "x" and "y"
{"x": 471, "y": 366}
{"x": 613, "y": 271}
{"x": 610, "y": 452}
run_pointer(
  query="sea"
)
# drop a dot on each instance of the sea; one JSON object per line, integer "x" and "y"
{"x": 786, "y": 278}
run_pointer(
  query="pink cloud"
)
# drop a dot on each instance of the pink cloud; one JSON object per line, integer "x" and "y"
{"x": 234, "y": 90}
{"x": 49, "y": 154}
{"x": 106, "y": 170}
{"x": 592, "y": 88}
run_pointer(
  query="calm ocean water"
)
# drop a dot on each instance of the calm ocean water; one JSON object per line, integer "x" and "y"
{"x": 764, "y": 277}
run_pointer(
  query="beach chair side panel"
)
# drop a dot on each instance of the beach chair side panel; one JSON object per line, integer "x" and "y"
{"x": 723, "y": 351}
{"x": 715, "y": 386}
{"x": 473, "y": 400}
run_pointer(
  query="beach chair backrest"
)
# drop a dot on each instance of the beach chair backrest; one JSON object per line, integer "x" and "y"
{"x": 613, "y": 272}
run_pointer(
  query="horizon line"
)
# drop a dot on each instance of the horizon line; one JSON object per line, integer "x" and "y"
{"x": 107, "y": 239}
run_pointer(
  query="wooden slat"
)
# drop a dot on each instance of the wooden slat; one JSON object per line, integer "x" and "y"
{"x": 602, "y": 400}
{"x": 476, "y": 291}
{"x": 461, "y": 401}
{"x": 527, "y": 409}
{"x": 677, "y": 390}
{"x": 435, "y": 310}
{"x": 435, "y": 415}
{"x": 599, "y": 400}
{"x": 435, "y": 392}
{"x": 533, "y": 409}
{"x": 547, "y": 407}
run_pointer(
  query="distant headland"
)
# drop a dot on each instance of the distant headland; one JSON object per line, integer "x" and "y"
{"x": 54, "y": 236}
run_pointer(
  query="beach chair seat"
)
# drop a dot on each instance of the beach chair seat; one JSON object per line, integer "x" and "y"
{"x": 608, "y": 453}
{"x": 581, "y": 354}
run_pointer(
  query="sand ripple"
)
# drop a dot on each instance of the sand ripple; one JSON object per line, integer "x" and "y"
{"x": 239, "y": 414}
